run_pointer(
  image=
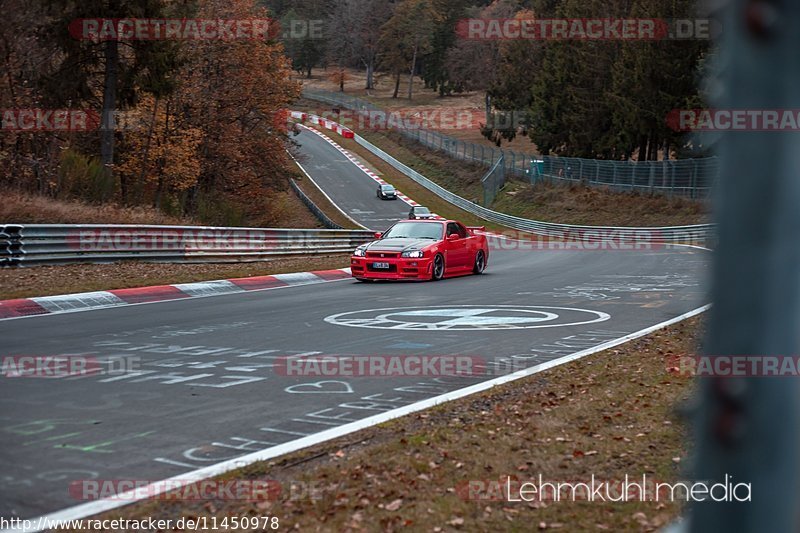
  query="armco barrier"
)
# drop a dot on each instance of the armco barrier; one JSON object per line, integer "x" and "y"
{"x": 37, "y": 244}
{"x": 321, "y": 216}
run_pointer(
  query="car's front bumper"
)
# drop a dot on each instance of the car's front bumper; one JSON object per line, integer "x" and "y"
{"x": 399, "y": 267}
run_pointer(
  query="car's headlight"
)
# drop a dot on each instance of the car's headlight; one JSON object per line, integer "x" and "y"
{"x": 414, "y": 253}
{"x": 360, "y": 252}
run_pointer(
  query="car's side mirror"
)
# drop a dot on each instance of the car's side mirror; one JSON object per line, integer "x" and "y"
{"x": 378, "y": 234}
{"x": 453, "y": 237}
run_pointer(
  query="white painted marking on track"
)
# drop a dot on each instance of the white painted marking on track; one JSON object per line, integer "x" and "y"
{"x": 319, "y": 387}
{"x": 464, "y": 318}
{"x": 92, "y": 508}
{"x": 299, "y": 278}
{"x": 74, "y": 302}
{"x": 204, "y": 288}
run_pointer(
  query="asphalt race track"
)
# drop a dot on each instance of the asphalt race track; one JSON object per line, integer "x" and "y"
{"x": 347, "y": 185}
{"x": 204, "y": 387}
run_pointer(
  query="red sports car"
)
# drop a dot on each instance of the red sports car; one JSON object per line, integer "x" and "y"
{"x": 422, "y": 249}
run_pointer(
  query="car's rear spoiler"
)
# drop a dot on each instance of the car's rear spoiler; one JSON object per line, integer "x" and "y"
{"x": 476, "y": 228}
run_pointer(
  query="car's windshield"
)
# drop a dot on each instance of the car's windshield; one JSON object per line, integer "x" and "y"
{"x": 416, "y": 230}
{"x": 387, "y": 187}
{"x": 422, "y": 211}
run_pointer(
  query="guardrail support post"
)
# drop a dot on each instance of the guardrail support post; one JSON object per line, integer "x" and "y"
{"x": 749, "y": 427}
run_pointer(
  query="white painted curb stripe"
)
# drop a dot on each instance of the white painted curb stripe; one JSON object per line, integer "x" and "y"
{"x": 298, "y": 278}
{"x": 207, "y": 288}
{"x": 79, "y": 301}
{"x": 92, "y": 508}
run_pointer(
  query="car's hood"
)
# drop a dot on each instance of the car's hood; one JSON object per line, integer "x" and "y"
{"x": 398, "y": 245}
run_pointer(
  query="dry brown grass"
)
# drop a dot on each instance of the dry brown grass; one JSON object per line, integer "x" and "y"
{"x": 24, "y": 208}
{"x": 583, "y": 205}
{"x": 286, "y": 210}
{"x": 282, "y": 209}
{"x": 609, "y": 414}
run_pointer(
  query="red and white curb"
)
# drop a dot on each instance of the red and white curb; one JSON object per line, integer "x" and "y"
{"x": 347, "y": 133}
{"x": 86, "y": 301}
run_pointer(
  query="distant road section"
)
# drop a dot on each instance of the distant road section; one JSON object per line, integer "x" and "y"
{"x": 347, "y": 185}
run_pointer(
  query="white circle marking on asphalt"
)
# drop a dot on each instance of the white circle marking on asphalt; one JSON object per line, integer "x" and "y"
{"x": 464, "y": 317}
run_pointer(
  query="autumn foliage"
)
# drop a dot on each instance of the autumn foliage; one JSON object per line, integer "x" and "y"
{"x": 200, "y": 125}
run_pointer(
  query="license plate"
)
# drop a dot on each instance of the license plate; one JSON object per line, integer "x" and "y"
{"x": 380, "y": 265}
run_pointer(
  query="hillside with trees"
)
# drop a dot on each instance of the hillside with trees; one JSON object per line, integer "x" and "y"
{"x": 606, "y": 99}
{"x": 198, "y": 127}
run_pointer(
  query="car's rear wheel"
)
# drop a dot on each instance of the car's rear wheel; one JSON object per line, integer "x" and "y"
{"x": 437, "y": 271}
{"x": 480, "y": 262}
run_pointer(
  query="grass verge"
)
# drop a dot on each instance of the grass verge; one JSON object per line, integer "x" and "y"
{"x": 18, "y": 207}
{"x": 609, "y": 414}
{"x": 283, "y": 209}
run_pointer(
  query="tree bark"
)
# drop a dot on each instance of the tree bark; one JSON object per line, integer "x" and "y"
{"x": 111, "y": 53}
{"x": 642, "y": 148}
{"x": 370, "y": 72}
{"x": 396, "y": 84}
{"x": 146, "y": 154}
{"x": 411, "y": 73}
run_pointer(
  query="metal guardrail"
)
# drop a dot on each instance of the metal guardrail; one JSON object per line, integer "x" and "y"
{"x": 699, "y": 234}
{"x": 493, "y": 181}
{"x": 321, "y": 216}
{"x": 38, "y": 244}
{"x": 692, "y": 178}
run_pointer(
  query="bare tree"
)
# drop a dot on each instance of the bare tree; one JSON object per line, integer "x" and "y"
{"x": 405, "y": 38}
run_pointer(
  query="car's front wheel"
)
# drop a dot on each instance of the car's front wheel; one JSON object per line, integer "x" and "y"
{"x": 437, "y": 270}
{"x": 480, "y": 262}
